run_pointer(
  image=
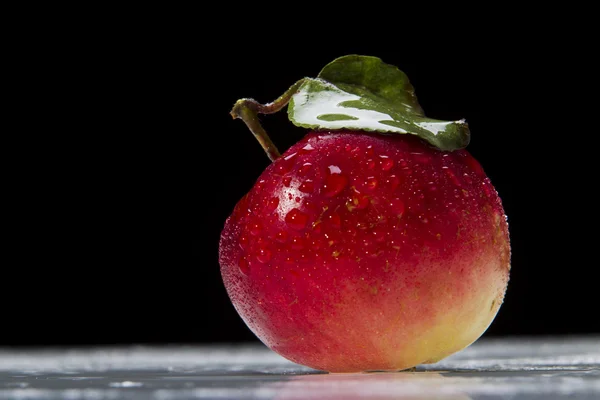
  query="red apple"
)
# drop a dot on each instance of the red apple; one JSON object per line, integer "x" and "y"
{"x": 359, "y": 251}
{"x": 376, "y": 242}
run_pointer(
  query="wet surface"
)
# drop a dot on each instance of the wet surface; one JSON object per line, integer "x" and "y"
{"x": 490, "y": 369}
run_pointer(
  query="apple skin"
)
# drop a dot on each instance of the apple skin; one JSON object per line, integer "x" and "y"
{"x": 360, "y": 252}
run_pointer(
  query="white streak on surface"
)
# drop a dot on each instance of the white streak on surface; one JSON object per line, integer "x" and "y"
{"x": 524, "y": 369}
{"x": 308, "y": 106}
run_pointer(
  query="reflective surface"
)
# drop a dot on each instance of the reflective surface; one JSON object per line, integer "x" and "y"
{"x": 489, "y": 369}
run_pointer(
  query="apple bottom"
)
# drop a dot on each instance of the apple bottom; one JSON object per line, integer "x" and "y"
{"x": 413, "y": 314}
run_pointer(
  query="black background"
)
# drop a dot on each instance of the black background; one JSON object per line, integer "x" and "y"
{"x": 138, "y": 164}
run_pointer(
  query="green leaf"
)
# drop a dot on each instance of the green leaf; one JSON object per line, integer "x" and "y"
{"x": 364, "y": 93}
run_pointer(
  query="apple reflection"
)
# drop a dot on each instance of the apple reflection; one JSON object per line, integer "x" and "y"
{"x": 371, "y": 386}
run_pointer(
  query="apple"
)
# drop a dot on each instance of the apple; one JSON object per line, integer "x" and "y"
{"x": 361, "y": 250}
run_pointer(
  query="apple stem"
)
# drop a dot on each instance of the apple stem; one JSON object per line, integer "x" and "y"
{"x": 248, "y": 109}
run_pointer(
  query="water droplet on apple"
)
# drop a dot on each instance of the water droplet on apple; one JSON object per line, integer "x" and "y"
{"x": 361, "y": 225}
{"x": 314, "y": 242}
{"x": 486, "y": 189}
{"x": 307, "y": 186}
{"x": 421, "y": 158}
{"x": 272, "y": 204}
{"x": 378, "y": 235}
{"x": 284, "y": 165}
{"x": 263, "y": 255}
{"x": 297, "y": 243}
{"x": 244, "y": 266}
{"x": 467, "y": 178}
{"x": 308, "y": 148}
{"x": 360, "y": 202}
{"x": 334, "y": 169}
{"x": 287, "y": 158}
{"x": 453, "y": 178}
{"x": 281, "y": 237}
{"x": 474, "y": 165}
{"x": 335, "y": 220}
{"x": 371, "y": 183}
{"x": 255, "y": 229}
{"x": 317, "y": 227}
{"x": 286, "y": 181}
{"x": 386, "y": 163}
{"x": 370, "y": 164}
{"x": 304, "y": 169}
{"x": 397, "y": 206}
{"x": 393, "y": 181}
{"x": 243, "y": 241}
{"x": 334, "y": 184}
{"x": 296, "y": 219}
